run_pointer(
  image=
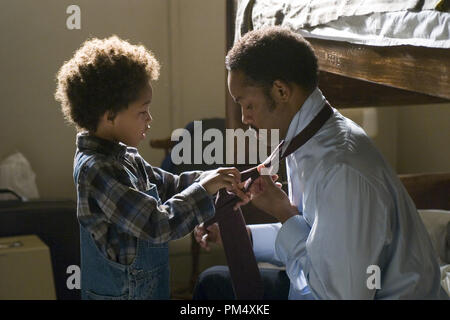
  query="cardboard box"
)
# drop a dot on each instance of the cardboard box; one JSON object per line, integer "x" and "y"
{"x": 25, "y": 269}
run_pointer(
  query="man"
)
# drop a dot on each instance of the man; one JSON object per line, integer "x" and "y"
{"x": 348, "y": 229}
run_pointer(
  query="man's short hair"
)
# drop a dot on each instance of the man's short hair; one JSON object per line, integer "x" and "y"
{"x": 274, "y": 53}
{"x": 103, "y": 75}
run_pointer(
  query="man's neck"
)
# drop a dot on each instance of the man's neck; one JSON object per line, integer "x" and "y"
{"x": 296, "y": 102}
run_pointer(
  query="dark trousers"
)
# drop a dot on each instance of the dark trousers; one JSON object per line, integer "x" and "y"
{"x": 215, "y": 284}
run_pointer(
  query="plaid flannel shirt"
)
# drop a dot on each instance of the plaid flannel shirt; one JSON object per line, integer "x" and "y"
{"x": 113, "y": 205}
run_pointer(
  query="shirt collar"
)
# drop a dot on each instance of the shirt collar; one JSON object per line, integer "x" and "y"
{"x": 310, "y": 108}
{"x": 86, "y": 141}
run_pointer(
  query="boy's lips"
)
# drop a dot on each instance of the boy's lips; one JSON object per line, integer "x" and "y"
{"x": 144, "y": 133}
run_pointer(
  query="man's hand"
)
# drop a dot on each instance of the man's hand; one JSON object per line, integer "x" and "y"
{"x": 205, "y": 235}
{"x": 268, "y": 196}
{"x": 211, "y": 234}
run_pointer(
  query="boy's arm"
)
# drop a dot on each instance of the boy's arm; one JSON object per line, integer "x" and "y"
{"x": 170, "y": 184}
{"x": 139, "y": 214}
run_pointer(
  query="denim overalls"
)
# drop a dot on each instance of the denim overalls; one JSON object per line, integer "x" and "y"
{"x": 102, "y": 279}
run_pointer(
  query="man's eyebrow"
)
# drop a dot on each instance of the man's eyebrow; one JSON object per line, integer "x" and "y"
{"x": 236, "y": 100}
{"x": 146, "y": 102}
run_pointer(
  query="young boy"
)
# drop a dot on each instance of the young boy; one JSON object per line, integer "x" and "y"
{"x": 127, "y": 209}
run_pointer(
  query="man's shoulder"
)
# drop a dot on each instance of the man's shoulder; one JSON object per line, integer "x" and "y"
{"x": 352, "y": 175}
{"x": 347, "y": 146}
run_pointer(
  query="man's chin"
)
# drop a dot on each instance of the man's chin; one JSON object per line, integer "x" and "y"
{"x": 258, "y": 135}
{"x": 266, "y": 138}
{"x": 255, "y": 132}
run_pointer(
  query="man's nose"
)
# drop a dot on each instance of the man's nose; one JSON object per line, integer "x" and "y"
{"x": 246, "y": 119}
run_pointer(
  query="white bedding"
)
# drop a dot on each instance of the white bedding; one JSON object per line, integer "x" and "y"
{"x": 445, "y": 278}
{"x": 437, "y": 223}
{"x": 378, "y": 23}
{"x": 428, "y": 28}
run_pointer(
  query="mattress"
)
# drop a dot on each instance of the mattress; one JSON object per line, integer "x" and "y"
{"x": 376, "y": 22}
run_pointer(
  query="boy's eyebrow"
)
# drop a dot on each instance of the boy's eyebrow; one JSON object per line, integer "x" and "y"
{"x": 146, "y": 102}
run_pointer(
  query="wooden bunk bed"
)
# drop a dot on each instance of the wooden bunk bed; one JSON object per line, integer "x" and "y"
{"x": 354, "y": 76}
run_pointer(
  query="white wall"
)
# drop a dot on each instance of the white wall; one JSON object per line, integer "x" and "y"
{"x": 36, "y": 42}
{"x": 424, "y": 138}
{"x": 198, "y": 60}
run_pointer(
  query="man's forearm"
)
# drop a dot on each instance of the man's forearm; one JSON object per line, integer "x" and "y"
{"x": 283, "y": 214}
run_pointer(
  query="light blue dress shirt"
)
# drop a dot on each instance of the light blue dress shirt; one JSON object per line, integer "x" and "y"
{"x": 356, "y": 217}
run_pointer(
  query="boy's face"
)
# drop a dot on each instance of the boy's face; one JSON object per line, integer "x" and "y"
{"x": 131, "y": 125}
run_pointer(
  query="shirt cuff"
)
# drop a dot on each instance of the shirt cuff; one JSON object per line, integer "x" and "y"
{"x": 293, "y": 231}
{"x": 264, "y": 236}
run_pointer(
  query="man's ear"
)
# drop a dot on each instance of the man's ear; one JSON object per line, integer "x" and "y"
{"x": 109, "y": 116}
{"x": 281, "y": 90}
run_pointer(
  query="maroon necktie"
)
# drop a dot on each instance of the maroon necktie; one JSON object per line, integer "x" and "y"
{"x": 244, "y": 272}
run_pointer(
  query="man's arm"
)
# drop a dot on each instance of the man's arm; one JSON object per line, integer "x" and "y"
{"x": 346, "y": 237}
{"x": 263, "y": 237}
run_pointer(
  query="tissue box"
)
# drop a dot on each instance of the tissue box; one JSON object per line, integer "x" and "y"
{"x": 25, "y": 269}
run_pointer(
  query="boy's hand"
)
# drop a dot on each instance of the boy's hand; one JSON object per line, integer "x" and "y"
{"x": 229, "y": 178}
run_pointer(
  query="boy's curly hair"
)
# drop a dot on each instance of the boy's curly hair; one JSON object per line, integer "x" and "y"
{"x": 103, "y": 75}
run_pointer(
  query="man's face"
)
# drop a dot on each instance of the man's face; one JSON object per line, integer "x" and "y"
{"x": 258, "y": 108}
{"x": 131, "y": 124}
